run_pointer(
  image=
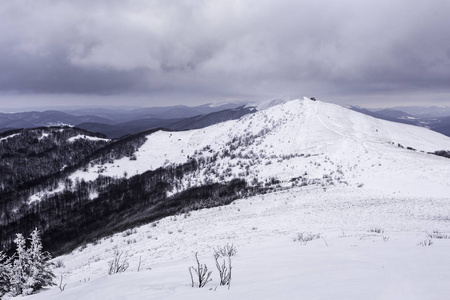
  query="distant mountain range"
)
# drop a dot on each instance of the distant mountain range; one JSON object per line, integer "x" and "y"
{"x": 118, "y": 122}
{"x": 425, "y": 111}
{"x": 434, "y": 118}
{"x": 194, "y": 122}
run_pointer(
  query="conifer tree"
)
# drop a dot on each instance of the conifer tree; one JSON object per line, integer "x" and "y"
{"x": 40, "y": 266}
{"x": 5, "y": 274}
{"x": 20, "y": 279}
{"x": 31, "y": 269}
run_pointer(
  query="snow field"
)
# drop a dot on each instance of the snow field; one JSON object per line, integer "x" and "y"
{"x": 348, "y": 268}
{"x": 348, "y": 262}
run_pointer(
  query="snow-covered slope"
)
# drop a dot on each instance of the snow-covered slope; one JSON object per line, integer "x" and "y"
{"x": 373, "y": 203}
{"x": 350, "y": 261}
{"x": 320, "y": 142}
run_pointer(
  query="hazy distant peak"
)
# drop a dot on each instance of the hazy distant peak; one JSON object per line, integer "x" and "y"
{"x": 265, "y": 104}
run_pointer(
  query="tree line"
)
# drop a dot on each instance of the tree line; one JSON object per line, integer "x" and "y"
{"x": 40, "y": 159}
{"x": 70, "y": 218}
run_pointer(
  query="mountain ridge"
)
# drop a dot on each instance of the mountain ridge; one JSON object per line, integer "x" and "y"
{"x": 348, "y": 128}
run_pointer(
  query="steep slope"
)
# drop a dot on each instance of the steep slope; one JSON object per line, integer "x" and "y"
{"x": 299, "y": 140}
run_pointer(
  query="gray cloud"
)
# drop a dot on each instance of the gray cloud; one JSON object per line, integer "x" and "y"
{"x": 219, "y": 50}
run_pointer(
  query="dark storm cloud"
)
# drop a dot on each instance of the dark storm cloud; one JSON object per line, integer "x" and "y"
{"x": 52, "y": 74}
{"x": 225, "y": 49}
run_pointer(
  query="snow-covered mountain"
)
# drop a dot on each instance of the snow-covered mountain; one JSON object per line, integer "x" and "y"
{"x": 300, "y": 141}
{"x": 369, "y": 191}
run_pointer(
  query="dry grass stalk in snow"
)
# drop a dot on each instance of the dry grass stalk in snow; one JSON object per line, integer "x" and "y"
{"x": 224, "y": 270}
{"x": 117, "y": 264}
{"x": 436, "y": 234}
{"x": 227, "y": 250}
{"x": 305, "y": 237}
{"x": 203, "y": 276}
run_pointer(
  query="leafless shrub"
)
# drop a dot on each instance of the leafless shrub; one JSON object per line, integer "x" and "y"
{"x": 129, "y": 232}
{"x": 436, "y": 234}
{"x": 385, "y": 238}
{"x": 117, "y": 264}
{"x": 427, "y": 242}
{"x": 376, "y": 230}
{"x": 227, "y": 250}
{"x": 59, "y": 263}
{"x": 305, "y": 237}
{"x": 203, "y": 275}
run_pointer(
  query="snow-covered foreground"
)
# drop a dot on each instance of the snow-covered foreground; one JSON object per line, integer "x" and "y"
{"x": 349, "y": 261}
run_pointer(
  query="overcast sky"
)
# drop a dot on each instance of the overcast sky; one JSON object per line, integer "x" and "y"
{"x": 150, "y": 52}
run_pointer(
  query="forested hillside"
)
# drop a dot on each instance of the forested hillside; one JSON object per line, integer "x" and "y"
{"x": 29, "y": 154}
{"x": 35, "y": 163}
{"x": 37, "y": 192}
{"x": 85, "y": 211}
